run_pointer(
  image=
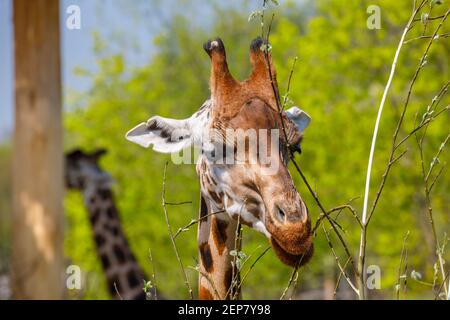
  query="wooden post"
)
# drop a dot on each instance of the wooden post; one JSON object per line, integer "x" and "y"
{"x": 37, "y": 271}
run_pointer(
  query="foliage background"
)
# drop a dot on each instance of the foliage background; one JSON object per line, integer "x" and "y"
{"x": 340, "y": 75}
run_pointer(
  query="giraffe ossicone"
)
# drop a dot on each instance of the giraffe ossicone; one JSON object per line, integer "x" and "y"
{"x": 247, "y": 192}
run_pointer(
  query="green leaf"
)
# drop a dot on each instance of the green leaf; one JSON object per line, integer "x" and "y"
{"x": 438, "y": 2}
{"x": 254, "y": 14}
{"x": 147, "y": 286}
{"x": 424, "y": 17}
{"x": 416, "y": 275}
{"x": 242, "y": 255}
{"x": 266, "y": 48}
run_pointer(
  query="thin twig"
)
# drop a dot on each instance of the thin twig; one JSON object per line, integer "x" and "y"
{"x": 430, "y": 18}
{"x": 436, "y": 178}
{"x": 291, "y": 279}
{"x": 438, "y": 36}
{"x": 291, "y": 155}
{"x": 433, "y": 164}
{"x": 285, "y": 98}
{"x": 235, "y": 272}
{"x": 338, "y": 208}
{"x": 178, "y": 203}
{"x": 251, "y": 267}
{"x": 367, "y": 215}
{"x": 402, "y": 259}
{"x": 207, "y": 277}
{"x": 441, "y": 286}
{"x": 338, "y": 281}
{"x": 195, "y": 221}
{"x": 117, "y": 291}
{"x": 172, "y": 239}
{"x": 336, "y": 257}
{"x": 427, "y": 190}
{"x": 153, "y": 273}
{"x": 420, "y": 126}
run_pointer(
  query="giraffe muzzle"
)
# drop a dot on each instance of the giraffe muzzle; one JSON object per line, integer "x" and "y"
{"x": 290, "y": 230}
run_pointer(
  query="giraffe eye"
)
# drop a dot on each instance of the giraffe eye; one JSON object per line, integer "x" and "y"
{"x": 281, "y": 214}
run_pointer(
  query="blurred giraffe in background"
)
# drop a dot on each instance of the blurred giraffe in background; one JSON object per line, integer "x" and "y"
{"x": 124, "y": 276}
{"x": 247, "y": 190}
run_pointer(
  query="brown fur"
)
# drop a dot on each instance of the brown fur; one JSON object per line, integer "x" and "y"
{"x": 205, "y": 255}
{"x": 226, "y": 91}
{"x": 250, "y": 104}
{"x": 203, "y": 208}
{"x": 291, "y": 259}
{"x": 219, "y": 233}
{"x": 205, "y": 294}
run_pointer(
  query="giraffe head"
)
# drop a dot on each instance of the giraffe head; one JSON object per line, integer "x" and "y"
{"x": 82, "y": 170}
{"x": 241, "y": 119}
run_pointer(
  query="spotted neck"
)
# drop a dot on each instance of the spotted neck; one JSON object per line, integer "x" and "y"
{"x": 123, "y": 274}
{"x": 216, "y": 240}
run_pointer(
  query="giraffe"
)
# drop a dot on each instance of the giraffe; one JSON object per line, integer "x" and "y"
{"x": 123, "y": 274}
{"x": 258, "y": 194}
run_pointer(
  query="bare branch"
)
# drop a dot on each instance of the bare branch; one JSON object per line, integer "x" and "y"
{"x": 195, "y": 221}
{"x": 438, "y": 36}
{"x": 367, "y": 215}
{"x": 336, "y": 257}
{"x": 403, "y": 258}
{"x": 172, "y": 239}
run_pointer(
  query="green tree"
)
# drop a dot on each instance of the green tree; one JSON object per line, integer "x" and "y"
{"x": 340, "y": 75}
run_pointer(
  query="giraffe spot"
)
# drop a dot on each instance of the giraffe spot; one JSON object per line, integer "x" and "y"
{"x": 219, "y": 231}
{"x": 213, "y": 180}
{"x": 111, "y": 212}
{"x": 133, "y": 279}
{"x": 99, "y": 240}
{"x": 118, "y": 252}
{"x": 131, "y": 257}
{"x": 105, "y": 261}
{"x": 95, "y": 215}
{"x": 205, "y": 255}
{"x": 115, "y": 230}
{"x": 215, "y": 197}
{"x": 112, "y": 229}
{"x": 92, "y": 200}
{"x": 208, "y": 179}
{"x": 205, "y": 294}
{"x": 105, "y": 194}
{"x": 203, "y": 208}
{"x": 230, "y": 200}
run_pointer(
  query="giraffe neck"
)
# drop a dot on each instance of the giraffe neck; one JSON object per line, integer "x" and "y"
{"x": 123, "y": 274}
{"x": 218, "y": 278}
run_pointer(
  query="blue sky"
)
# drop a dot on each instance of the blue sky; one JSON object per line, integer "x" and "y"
{"x": 112, "y": 19}
{"x": 131, "y": 24}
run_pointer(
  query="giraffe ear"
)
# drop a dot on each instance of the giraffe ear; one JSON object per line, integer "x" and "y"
{"x": 98, "y": 153}
{"x": 300, "y": 118}
{"x": 165, "y": 135}
{"x": 75, "y": 154}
